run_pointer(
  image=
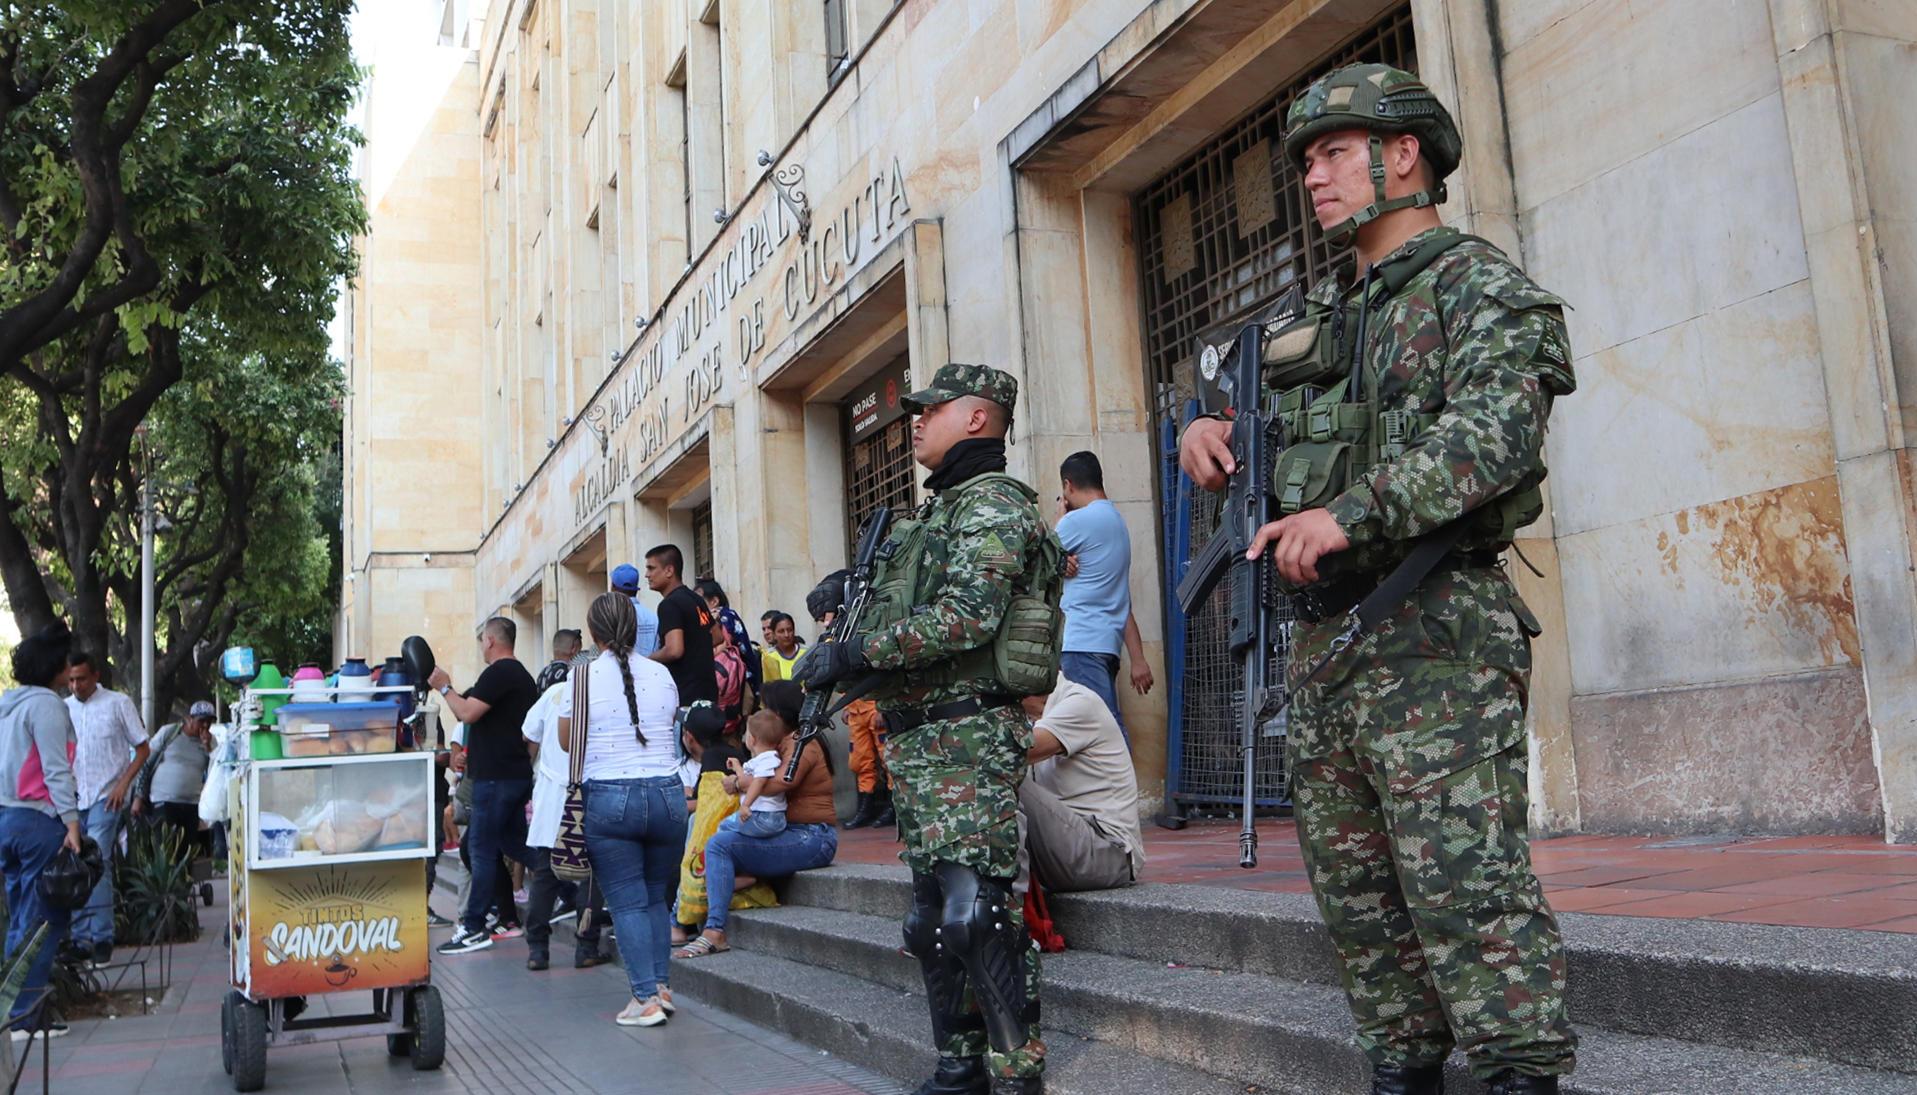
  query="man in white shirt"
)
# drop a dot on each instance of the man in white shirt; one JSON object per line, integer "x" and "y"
{"x": 111, "y": 749}
{"x": 1079, "y": 802}
{"x": 548, "y": 900}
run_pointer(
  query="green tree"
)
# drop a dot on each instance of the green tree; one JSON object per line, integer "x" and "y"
{"x": 176, "y": 188}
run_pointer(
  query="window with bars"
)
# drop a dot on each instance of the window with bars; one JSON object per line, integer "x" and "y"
{"x": 879, "y": 471}
{"x": 701, "y": 541}
{"x": 1221, "y": 235}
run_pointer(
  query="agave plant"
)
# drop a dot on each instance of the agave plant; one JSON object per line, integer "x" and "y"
{"x": 16, "y": 978}
{"x": 153, "y": 887}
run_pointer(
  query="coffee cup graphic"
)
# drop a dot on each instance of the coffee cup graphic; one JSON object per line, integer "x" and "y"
{"x": 339, "y": 972}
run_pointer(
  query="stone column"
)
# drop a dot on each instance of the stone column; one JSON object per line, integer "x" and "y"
{"x": 1847, "y": 85}
{"x": 1457, "y": 57}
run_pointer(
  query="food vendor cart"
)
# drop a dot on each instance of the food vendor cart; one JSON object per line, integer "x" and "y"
{"x": 332, "y": 822}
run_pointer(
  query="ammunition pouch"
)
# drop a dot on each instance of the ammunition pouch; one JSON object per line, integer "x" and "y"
{"x": 1327, "y": 442}
{"x": 1023, "y": 657}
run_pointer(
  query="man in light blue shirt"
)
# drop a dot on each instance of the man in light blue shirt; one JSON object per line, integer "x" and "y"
{"x": 625, "y": 579}
{"x": 1098, "y": 597}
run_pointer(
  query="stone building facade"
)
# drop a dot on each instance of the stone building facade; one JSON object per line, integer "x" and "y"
{"x": 655, "y": 270}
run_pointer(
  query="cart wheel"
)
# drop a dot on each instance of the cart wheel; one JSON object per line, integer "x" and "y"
{"x": 249, "y": 1044}
{"x": 226, "y": 1032}
{"x": 206, "y": 894}
{"x": 429, "y": 1029}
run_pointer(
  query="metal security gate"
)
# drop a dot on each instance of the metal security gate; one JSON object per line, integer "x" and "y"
{"x": 878, "y": 472}
{"x": 702, "y": 540}
{"x": 1221, "y": 235}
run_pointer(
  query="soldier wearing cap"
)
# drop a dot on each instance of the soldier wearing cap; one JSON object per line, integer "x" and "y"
{"x": 949, "y": 581}
{"x": 1423, "y": 423}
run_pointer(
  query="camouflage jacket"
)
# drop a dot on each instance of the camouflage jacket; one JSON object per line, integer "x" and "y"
{"x": 1473, "y": 341}
{"x": 977, "y": 544}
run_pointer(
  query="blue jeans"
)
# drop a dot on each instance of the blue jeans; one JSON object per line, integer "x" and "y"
{"x": 635, "y": 837}
{"x": 497, "y": 827}
{"x": 28, "y": 841}
{"x": 1098, "y": 672}
{"x": 757, "y": 824}
{"x": 798, "y": 848}
{"x": 94, "y": 924}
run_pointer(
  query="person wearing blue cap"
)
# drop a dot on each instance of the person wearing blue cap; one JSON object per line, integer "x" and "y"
{"x": 625, "y": 579}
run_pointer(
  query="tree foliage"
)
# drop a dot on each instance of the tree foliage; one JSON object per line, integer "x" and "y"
{"x": 178, "y": 201}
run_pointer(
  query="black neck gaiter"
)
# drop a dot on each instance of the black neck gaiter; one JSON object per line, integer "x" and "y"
{"x": 971, "y": 457}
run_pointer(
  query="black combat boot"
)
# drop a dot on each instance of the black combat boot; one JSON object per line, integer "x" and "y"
{"x": 1018, "y": 1085}
{"x": 957, "y": 1076}
{"x": 882, "y": 802}
{"x": 1511, "y": 1083}
{"x": 1407, "y": 1079}
{"x": 862, "y": 816}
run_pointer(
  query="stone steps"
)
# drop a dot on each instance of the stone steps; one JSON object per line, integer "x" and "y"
{"x": 1843, "y": 996}
{"x": 803, "y": 968}
{"x": 888, "y": 1031}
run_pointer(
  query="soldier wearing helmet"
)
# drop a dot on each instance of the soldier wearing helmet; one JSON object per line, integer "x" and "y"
{"x": 1412, "y": 397}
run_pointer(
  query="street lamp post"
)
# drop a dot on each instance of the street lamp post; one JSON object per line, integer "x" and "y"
{"x": 146, "y": 582}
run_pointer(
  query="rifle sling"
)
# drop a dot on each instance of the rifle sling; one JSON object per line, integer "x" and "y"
{"x": 1405, "y": 578}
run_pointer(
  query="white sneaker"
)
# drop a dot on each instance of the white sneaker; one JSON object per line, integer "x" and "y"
{"x": 642, "y": 1013}
{"x": 464, "y": 942}
{"x": 665, "y": 1000}
{"x": 54, "y": 1028}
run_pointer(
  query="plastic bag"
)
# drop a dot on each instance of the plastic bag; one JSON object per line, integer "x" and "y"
{"x": 219, "y": 774}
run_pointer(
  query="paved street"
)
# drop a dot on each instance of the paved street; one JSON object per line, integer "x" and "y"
{"x": 509, "y": 1031}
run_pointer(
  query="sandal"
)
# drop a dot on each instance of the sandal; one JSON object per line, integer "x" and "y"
{"x": 699, "y": 948}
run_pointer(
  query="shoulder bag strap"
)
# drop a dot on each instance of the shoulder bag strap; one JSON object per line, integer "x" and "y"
{"x": 581, "y": 718}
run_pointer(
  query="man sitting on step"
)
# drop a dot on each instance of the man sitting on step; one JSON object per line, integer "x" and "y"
{"x": 1078, "y": 806}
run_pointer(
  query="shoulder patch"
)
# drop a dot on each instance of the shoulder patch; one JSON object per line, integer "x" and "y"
{"x": 993, "y": 552}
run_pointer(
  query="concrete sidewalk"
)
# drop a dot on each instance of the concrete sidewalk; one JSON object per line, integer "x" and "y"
{"x": 1804, "y": 881}
{"x": 509, "y": 1031}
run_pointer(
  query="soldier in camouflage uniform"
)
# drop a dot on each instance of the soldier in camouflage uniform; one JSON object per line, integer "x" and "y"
{"x": 1408, "y": 748}
{"x": 944, "y": 588}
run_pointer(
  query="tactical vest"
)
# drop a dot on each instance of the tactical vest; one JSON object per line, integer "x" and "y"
{"x": 1022, "y": 658}
{"x": 1328, "y": 439}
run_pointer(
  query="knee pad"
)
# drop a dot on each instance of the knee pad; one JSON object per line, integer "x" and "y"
{"x": 979, "y": 928}
{"x": 922, "y": 918}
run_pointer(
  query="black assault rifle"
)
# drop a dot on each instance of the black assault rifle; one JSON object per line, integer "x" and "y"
{"x": 815, "y": 713}
{"x": 1235, "y": 373}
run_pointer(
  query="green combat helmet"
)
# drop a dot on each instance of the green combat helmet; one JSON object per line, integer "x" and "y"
{"x": 1380, "y": 100}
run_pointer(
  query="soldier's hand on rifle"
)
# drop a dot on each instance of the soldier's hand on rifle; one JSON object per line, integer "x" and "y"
{"x": 1205, "y": 452}
{"x": 825, "y": 664}
{"x": 1298, "y": 542}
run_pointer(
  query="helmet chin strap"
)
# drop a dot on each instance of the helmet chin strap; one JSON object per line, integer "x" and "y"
{"x": 1342, "y": 232}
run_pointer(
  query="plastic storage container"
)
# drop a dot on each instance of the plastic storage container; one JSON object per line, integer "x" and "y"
{"x": 339, "y": 729}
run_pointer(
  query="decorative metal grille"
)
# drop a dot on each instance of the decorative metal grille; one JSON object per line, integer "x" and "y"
{"x": 1221, "y": 235}
{"x": 878, "y": 472}
{"x": 702, "y": 540}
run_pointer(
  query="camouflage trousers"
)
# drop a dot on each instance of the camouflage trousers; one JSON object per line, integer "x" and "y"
{"x": 955, "y": 789}
{"x": 1408, "y": 760}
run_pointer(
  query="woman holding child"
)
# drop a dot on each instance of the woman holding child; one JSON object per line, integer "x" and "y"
{"x": 809, "y": 837}
{"x": 635, "y": 803}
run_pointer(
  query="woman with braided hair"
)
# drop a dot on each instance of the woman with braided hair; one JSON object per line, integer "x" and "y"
{"x": 635, "y": 805}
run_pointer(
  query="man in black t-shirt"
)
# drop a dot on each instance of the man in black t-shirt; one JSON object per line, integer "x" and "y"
{"x": 493, "y": 709}
{"x": 685, "y": 627}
